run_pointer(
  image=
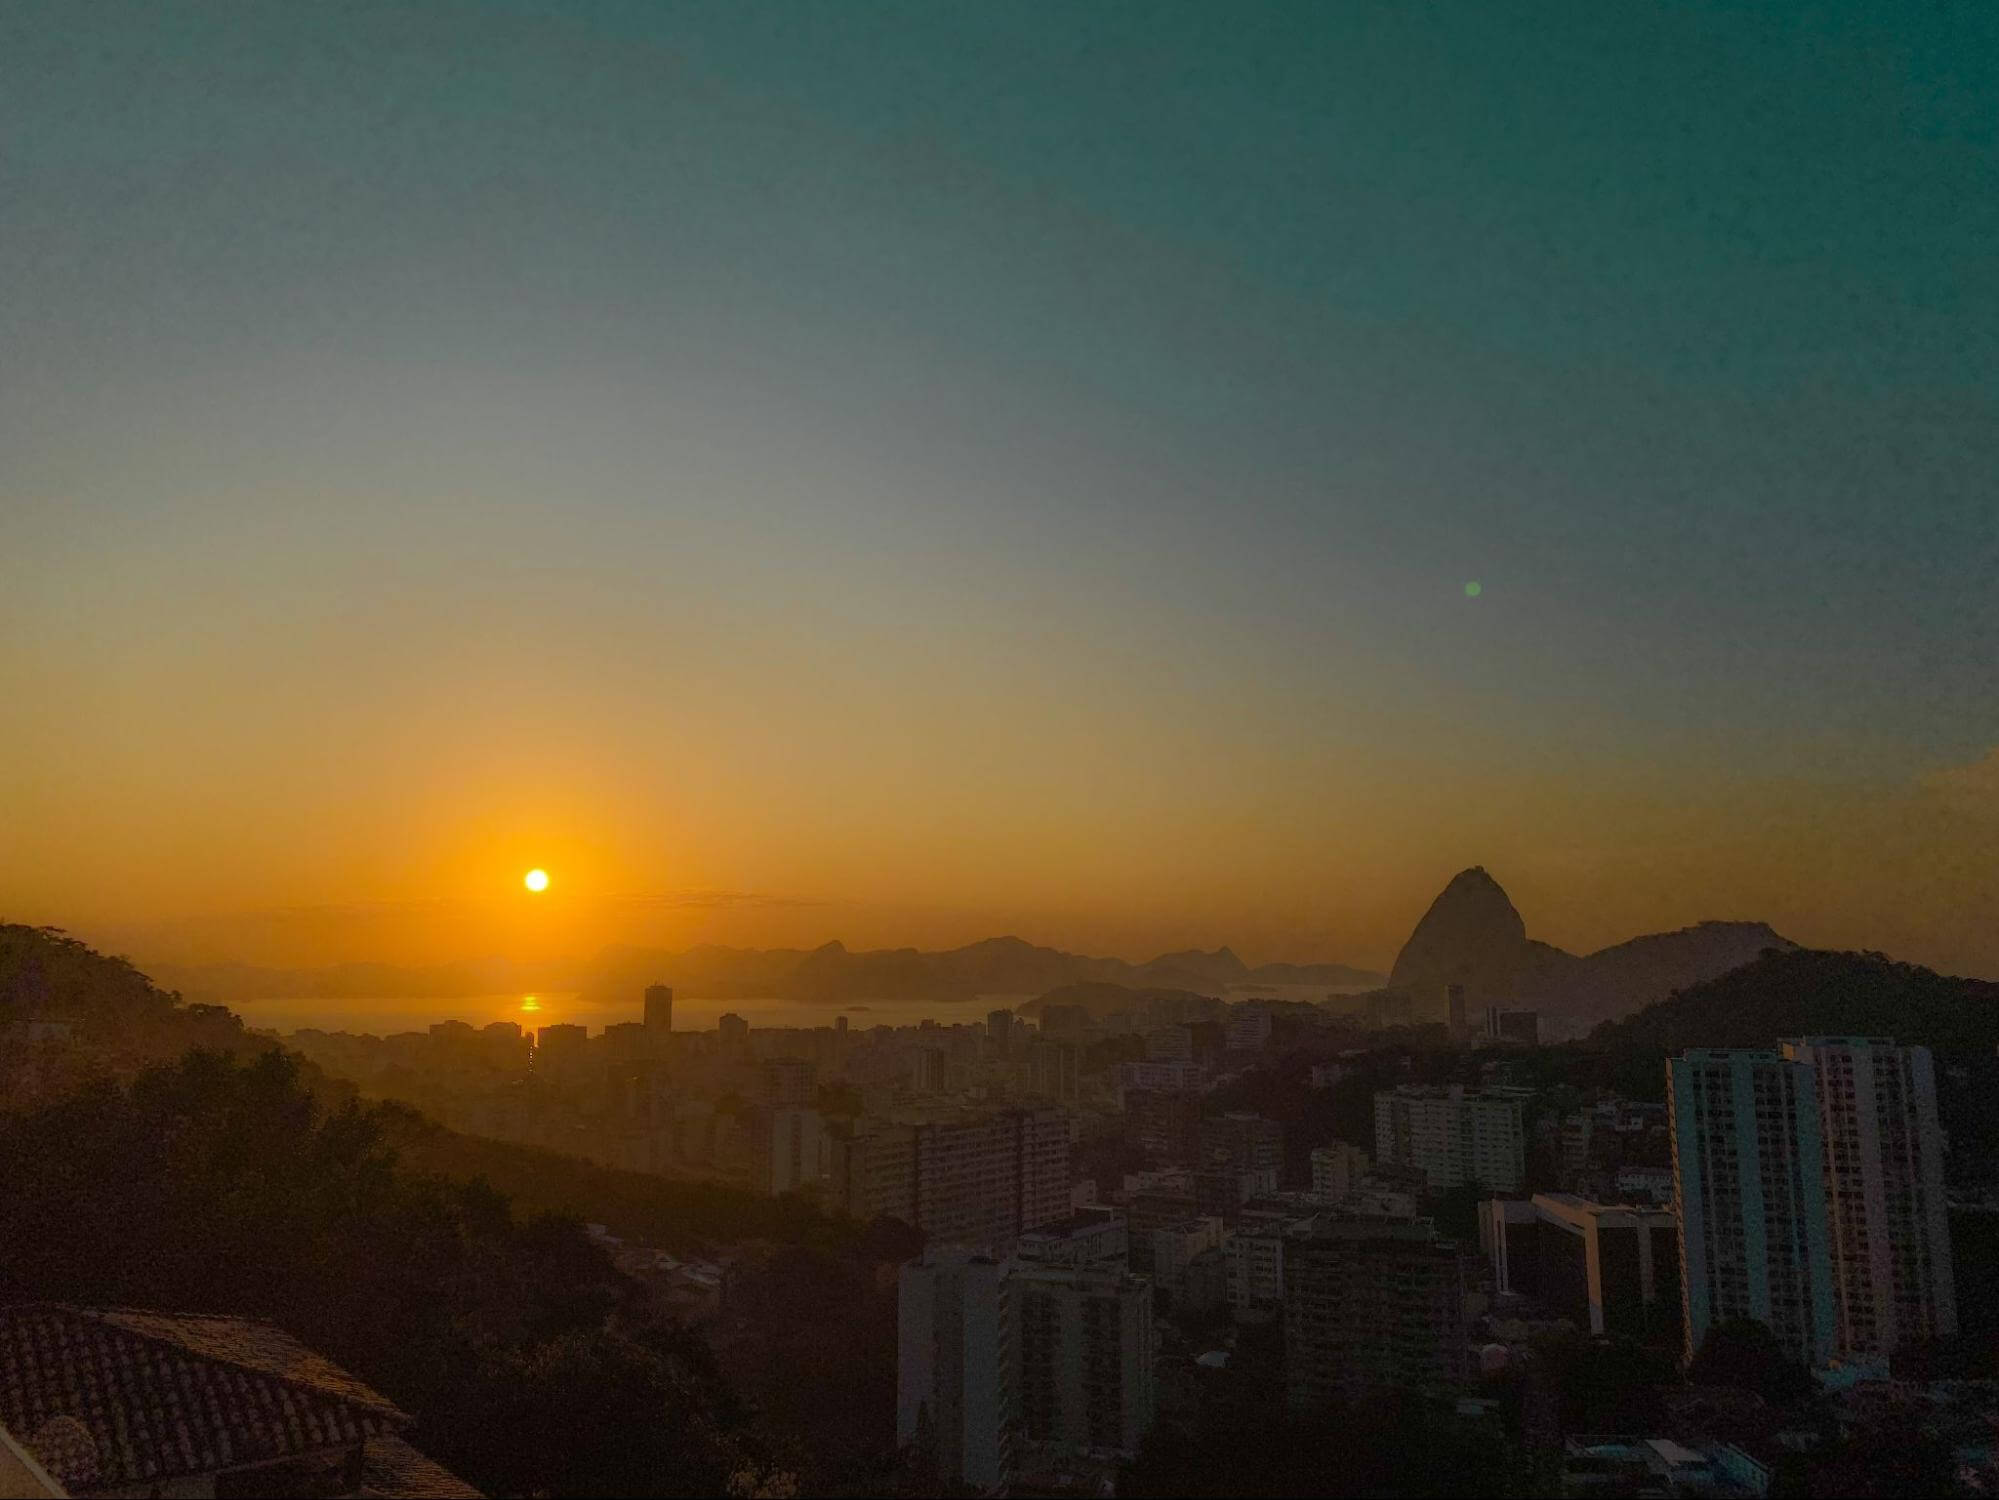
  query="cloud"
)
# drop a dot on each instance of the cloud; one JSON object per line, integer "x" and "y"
{"x": 1972, "y": 789}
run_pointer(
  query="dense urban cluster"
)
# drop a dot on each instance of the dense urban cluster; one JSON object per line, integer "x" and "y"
{"x": 1104, "y": 1240}
{"x": 1104, "y": 1231}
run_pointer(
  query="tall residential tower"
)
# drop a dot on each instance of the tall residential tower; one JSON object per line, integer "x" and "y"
{"x": 1888, "y": 1229}
{"x": 1749, "y": 1192}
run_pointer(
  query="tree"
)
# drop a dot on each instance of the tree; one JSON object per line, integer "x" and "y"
{"x": 1744, "y": 1353}
{"x": 217, "y": 1186}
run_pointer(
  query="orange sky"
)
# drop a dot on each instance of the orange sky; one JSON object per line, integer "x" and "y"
{"x": 1016, "y": 469}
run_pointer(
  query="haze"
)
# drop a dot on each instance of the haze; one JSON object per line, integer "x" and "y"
{"x": 911, "y": 473}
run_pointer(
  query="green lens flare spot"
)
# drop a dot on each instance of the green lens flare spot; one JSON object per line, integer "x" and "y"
{"x": 1473, "y": 589}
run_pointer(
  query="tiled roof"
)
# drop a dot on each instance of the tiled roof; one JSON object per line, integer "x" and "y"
{"x": 393, "y": 1470}
{"x": 160, "y": 1396}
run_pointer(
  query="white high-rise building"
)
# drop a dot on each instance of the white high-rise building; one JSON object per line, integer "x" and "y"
{"x": 1888, "y": 1227}
{"x": 958, "y": 1367}
{"x": 1749, "y": 1193}
{"x": 1453, "y": 1137}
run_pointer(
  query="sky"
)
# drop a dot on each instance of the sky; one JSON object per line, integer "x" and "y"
{"x": 909, "y": 472}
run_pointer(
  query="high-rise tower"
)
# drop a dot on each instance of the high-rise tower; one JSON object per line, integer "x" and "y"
{"x": 1888, "y": 1230}
{"x": 1749, "y": 1191}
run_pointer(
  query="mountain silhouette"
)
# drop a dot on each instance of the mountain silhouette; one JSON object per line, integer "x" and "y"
{"x": 832, "y": 974}
{"x": 1472, "y": 935}
{"x": 1812, "y": 992}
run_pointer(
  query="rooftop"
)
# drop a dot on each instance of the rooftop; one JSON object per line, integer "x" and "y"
{"x": 110, "y": 1397}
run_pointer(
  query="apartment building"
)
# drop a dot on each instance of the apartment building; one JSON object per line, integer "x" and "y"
{"x": 968, "y": 1180}
{"x": 1611, "y": 1268}
{"x": 1888, "y": 1231}
{"x": 958, "y": 1368}
{"x": 1086, "y": 1358}
{"x": 1371, "y": 1306}
{"x": 1749, "y": 1194}
{"x": 1453, "y": 1137}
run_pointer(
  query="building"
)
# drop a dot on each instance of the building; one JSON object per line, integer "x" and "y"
{"x": 1609, "y": 1464}
{"x": 1165, "y": 1202}
{"x": 788, "y": 1082}
{"x": 1386, "y": 1008}
{"x": 1455, "y": 1002}
{"x": 787, "y": 1147}
{"x": 1164, "y": 1125}
{"x": 1887, "y": 1228}
{"x": 1093, "y": 1236}
{"x": 1241, "y": 1143}
{"x": 1610, "y": 1268}
{"x": 659, "y": 1009}
{"x": 1325, "y": 1075}
{"x": 1371, "y": 1306}
{"x": 1170, "y": 1044}
{"x": 873, "y": 1170}
{"x": 979, "y": 1180}
{"x": 624, "y": 1041}
{"x": 1337, "y": 1169}
{"x": 1221, "y": 1191}
{"x": 1176, "y": 1246}
{"x": 1523, "y": 1026}
{"x": 1453, "y": 1137}
{"x": 733, "y": 1035}
{"x": 1644, "y": 1184}
{"x": 957, "y": 1368}
{"x": 559, "y": 1052}
{"x": 999, "y": 1027}
{"x": 117, "y": 1401}
{"x": 1053, "y": 1069}
{"x": 1162, "y": 1077}
{"x": 1247, "y": 1028}
{"x": 1255, "y": 1257}
{"x": 1087, "y": 1346}
{"x": 1749, "y": 1193}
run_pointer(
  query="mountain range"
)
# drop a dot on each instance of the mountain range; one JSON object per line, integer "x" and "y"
{"x": 1473, "y": 936}
{"x": 833, "y": 974}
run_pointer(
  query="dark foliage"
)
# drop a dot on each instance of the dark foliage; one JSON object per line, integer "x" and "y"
{"x": 1809, "y": 991}
{"x": 1744, "y": 1354}
{"x": 217, "y": 1186}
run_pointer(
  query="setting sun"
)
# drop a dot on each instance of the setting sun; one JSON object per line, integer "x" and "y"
{"x": 536, "y": 880}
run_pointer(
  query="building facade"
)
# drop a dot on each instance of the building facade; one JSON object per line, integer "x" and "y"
{"x": 1749, "y": 1194}
{"x": 1887, "y": 1225}
{"x": 1611, "y": 1268}
{"x": 973, "y": 1180}
{"x": 659, "y": 1008}
{"x": 1086, "y": 1358}
{"x": 1453, "y": 1137}
{"x": 1337, "y": 1169}
{"x": 957, "y": 1368}
{"x": 1371, "y": 1306}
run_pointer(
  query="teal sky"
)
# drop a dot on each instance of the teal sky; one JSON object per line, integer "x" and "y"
{"x": 1097, "y": 410}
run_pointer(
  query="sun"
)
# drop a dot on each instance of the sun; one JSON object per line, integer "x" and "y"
{"x": 535, "y": 880}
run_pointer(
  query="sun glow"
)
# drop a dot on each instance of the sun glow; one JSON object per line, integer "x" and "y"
{"x": 536, "y": 880}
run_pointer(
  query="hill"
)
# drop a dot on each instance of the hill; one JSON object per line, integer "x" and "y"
{"x": 98, "y": 1014}
{"x": 1805, "y": 991}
